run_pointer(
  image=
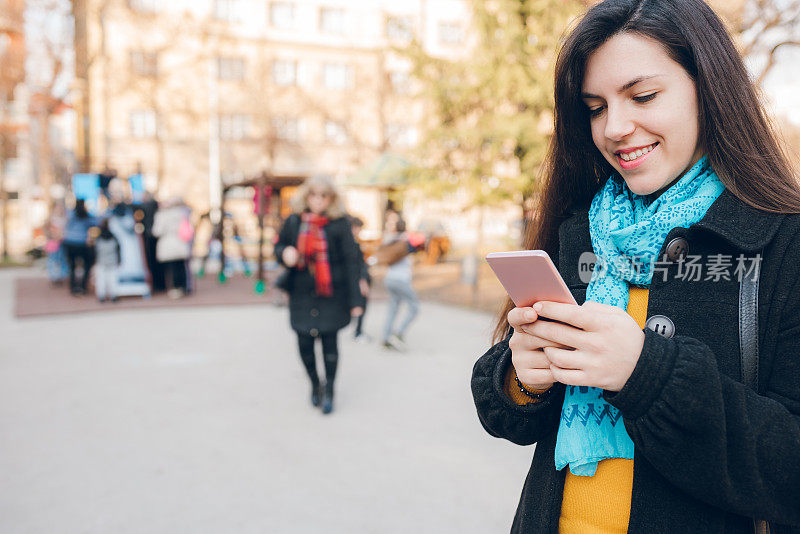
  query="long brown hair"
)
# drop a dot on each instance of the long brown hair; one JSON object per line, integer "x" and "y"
{"x": 735, "y": 132}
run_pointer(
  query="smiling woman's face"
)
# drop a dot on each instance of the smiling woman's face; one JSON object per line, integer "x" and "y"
{"x": 643, "y": 112}
{"x": 318, "y": 201}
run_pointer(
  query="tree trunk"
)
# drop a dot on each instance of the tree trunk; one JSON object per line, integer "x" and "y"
{"x": 4, "y": 201}
{"x": 4, "y": 144}
{"x": 46, "y": 174}
{"x": 160, "y": 156}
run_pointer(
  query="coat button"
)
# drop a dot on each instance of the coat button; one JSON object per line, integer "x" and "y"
{"x": 314, "y": 312}
{"x": 314, "y": 332}
{"x": 661, "y": 324}
{"x": 677, "y": 249}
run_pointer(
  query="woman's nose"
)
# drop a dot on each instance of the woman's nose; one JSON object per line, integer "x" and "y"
{"x": 618, "y": 124}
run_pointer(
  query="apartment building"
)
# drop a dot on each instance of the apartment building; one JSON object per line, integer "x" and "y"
{"x": 198, "y": 94}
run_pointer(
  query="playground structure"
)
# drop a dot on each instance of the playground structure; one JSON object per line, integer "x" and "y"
{"x": 270, "y": 195}
{"x": 105, "y": 201}
{"x": 133, "y": 277}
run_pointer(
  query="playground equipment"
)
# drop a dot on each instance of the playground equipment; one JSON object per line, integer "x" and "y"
{"x": 270, "y": 195}
{"x": 132, "y": 279}
{"x": 216, "y": 248}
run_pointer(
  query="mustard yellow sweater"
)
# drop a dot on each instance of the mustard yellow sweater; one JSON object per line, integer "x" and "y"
{"x": 600, "y": 504}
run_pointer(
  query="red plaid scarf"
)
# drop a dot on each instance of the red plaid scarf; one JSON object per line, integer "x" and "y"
{"x": 314, "y": 251}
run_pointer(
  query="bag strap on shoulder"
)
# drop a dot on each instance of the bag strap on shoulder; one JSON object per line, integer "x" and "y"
{"x": 748, "y": 330}
{"x": 748, "y": 347}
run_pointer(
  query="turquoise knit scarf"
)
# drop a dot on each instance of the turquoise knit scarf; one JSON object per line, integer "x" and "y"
{"x": 627, "y": 234}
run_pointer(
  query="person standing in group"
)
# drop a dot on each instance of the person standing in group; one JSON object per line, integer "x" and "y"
{"x": 316, "y": 245}
{"x": 647, "y": 411}
{"x": 172, "y": 226}
{"x": 78, "y": 246}
{"x": 57, "y": 267}
{"x": 106, "y": 266}
{"x": 364, "y": 281}
{"x": 145, "y": 214}
{"x": 398, "y": 283}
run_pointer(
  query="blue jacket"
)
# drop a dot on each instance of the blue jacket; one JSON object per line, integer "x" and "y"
{"x": 77, "y": 230}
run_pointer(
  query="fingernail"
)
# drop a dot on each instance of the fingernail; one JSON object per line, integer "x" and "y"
{"x": 530, "y": 316}
{"x": 537, "y": 306}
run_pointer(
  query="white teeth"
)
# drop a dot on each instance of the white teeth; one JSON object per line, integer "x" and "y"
{"x": 636, "y": 154}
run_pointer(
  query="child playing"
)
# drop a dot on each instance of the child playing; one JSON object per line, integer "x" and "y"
{"x": 106, "y": 249}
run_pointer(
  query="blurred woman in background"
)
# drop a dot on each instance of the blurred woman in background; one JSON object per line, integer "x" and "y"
{"x": 172, "y": 225}
{"x": 398, "y": 284}
{"x": 78, "y": 246}
{"x": 316, "y": 246}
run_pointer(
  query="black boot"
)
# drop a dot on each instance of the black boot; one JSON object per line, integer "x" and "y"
{"x": 316, "y": 394}
{"x": 327, "y": 398}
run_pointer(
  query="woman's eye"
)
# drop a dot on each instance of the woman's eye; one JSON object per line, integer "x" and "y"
{"x": 594, "y": 112}
{"x": 645, "y": 98}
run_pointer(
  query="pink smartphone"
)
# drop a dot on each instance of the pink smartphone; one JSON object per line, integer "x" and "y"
{"x": 529, "y": 276}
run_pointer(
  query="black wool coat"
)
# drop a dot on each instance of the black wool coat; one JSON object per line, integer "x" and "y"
{"x": 709, "y": 452}
{"x": 363, "y": 274}
{"x": 310, "y": 313}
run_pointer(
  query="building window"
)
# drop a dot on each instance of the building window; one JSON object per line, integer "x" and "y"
{"x": 401, "y": 135}
{"x": 144, "y": 63}
{"x": 399, "y": 28}
{"x": 144, "y": 6}
{"x": 336, "y": 133}
{"x": 281, "y": 15}
{"x": 337, "y": 76}
{"x": 234, "y": 127}
{"x": 284, "y": 72}
{"x": 400, "y": 82}
{"x": 304, "y": 74}
{"x": 230, "y": 68}
{"x": 229, "y": 10}
{"x": 450, "y": 33}
{"x": 143, "y": 124}
{"x": 288, "y": 129}
{"x": 332, "y": 20}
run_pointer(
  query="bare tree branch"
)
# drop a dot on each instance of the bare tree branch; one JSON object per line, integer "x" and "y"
{"x": 771, "y": 59}
{"x": 763, "y": 27}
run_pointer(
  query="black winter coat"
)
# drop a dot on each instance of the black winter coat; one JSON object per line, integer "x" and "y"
{"x": 363, "y": 274}
{"x": 709, "y": 452}
{"x": 308, "y": 312}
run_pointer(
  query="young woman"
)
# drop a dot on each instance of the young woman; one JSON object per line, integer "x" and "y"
{"x": 316, "y": 244}
{"x": 664, "y": 167}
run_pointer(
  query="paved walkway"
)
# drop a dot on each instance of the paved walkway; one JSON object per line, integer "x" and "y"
{"x": 36, "y": 296}
{"x": 441, "y": 282}
{"x": 196, "y": 420}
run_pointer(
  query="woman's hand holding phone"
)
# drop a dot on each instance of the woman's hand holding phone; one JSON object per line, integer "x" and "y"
{"x": 603, "y": 343}
{"x": 527, "y": 350}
